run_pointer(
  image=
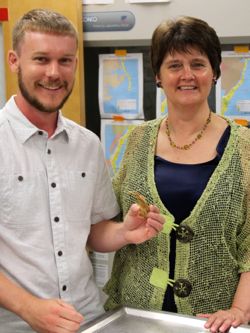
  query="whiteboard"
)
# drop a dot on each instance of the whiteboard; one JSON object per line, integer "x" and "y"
{"x": 230, "y": 19}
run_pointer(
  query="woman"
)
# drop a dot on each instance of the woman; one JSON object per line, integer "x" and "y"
{"x": 195, "y": 166}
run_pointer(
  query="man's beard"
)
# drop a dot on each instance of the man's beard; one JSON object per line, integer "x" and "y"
{"x": 32, "y": 100}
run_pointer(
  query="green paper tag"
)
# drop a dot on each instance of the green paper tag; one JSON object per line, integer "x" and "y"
{"x": 159, "y": 278}
{"x": 169, "y": 224}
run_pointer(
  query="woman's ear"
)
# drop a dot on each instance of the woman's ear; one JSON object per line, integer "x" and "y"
{"x": 158, "y": 82}
{"x": 13, "y": 61}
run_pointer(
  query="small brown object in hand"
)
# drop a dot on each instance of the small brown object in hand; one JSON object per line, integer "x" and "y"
{"x": 141, "y": 201}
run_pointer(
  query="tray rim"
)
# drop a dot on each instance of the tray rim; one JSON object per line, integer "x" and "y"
{"x": 110, "y": 316}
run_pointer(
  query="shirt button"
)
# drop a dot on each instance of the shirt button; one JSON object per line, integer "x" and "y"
{"x": 83, "y": 174}
{"x": 20, "y": 178}
{"x": 53, "y": 184}
{"x": 182, "y": 288}
{"x": 56, "y": 219}
{"x": 40, "y": 132}
{"x": 64, "y": 288}
{"x": 60, "y": 253}
{"x": 49, "y": 151}
{"x": 184, "y": 234}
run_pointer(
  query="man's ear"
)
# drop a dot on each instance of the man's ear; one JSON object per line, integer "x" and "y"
{"x": 13, "y": 61}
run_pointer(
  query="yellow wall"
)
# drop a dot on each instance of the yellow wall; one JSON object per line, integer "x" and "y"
{"x": 74, "y": 108}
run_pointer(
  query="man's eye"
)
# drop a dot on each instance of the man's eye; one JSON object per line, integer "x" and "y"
{"x": 66, "y": 61}
{"x": 41, "y": 59}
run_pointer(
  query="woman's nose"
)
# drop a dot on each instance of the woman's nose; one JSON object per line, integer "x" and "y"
{"x": 187, "y": 72}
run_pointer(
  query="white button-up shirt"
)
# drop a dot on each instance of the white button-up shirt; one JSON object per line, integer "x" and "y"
{"x": 51, "y": 191}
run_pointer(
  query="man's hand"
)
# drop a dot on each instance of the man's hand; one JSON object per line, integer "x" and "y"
{"x": 138, "y": 229}
{"x": 109, "y": 236}
{"x": 52, "y": 316}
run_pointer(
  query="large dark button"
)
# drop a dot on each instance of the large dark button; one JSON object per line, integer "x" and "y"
{"x": 53, "y": 184}
{"x": 182, "y": 288}
{"x": 49, "y": 151}
{"x": 184, "y": 233}
{"x": 64, "y": 288}
{"x": 20, "y": 178}
{"x": 56, "y": 219}
{"x": 83, "y": 174}
{"x": 59, "y": 253}
{"x": 40, "y": 132}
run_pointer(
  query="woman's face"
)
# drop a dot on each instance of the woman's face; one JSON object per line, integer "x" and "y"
{"x": 186, "y": 78}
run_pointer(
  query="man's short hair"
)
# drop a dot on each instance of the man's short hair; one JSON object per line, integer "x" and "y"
{"x": 42, "y": 20}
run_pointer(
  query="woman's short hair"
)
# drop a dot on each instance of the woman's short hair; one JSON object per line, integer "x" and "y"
{"x": 179, "y": 35}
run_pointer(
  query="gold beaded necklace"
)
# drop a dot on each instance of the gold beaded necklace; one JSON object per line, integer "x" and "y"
{"x": 189, "y": 145}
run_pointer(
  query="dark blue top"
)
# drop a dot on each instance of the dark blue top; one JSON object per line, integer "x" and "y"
{"x": 179, "y": 187}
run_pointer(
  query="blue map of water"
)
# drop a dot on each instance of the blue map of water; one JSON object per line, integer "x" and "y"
{"x": 242, "y": 93}
{"x": 127, "y": 90}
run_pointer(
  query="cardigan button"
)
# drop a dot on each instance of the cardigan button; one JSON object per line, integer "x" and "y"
{"x": 182, "y": 288}
{"x": 184, "y": 233}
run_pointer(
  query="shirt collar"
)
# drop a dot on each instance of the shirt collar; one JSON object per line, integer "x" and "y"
{"x": 24, "y": 129}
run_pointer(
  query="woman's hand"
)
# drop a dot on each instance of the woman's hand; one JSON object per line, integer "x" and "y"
{"x": 223, "y": 320}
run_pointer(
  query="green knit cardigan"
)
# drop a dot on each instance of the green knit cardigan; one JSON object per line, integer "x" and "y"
{"x": 220, "y": 249}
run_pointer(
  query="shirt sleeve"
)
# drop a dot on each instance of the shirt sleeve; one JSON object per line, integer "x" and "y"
{"x": 105, "y": 206}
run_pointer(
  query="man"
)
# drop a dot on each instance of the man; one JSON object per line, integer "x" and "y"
{"x": 56, "y": 195}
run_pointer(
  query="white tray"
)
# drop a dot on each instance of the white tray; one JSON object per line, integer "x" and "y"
{"x": 129, "y": 320}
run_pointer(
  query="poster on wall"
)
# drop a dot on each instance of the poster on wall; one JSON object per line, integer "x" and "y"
{"x": 97, "y": 2}
{"x": 121, "y": 86}
{"x": 233, "y": 88}
{"x": 161, "y": 103}
{"x": 114, "y": 135}
{"x": 145, "y": 1}
{"x": 100, "y": 264}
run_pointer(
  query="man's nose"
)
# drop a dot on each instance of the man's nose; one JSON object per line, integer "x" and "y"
{"x": 52, "y": 70}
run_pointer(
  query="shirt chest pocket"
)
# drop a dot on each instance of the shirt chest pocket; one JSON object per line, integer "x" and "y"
{"x": 77, "y": 193}
{"x": 23, "y": 199}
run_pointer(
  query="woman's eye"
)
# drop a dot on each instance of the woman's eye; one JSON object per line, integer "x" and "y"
{"x": 174, "y": 66}
{"x": 197, "y": 65}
